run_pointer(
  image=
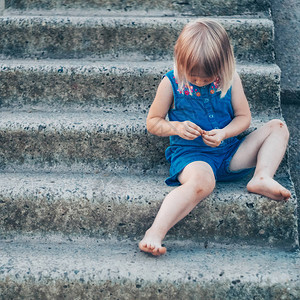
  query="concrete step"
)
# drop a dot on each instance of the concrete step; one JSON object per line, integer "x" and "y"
{"x": 103, "y": 140}
{"x": 85, "y": 268}
{"x": 190, "y": 7}
{"x": 107, "y": 204}
{"x": 92, "y": 85}
{"x": 110, "y": 37}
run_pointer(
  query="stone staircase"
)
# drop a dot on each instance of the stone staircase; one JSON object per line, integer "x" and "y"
{"x": 81, "y": 179}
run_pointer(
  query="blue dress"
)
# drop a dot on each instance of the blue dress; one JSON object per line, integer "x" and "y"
{"x": 204, "y": 107}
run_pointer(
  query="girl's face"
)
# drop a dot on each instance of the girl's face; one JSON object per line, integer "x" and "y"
{"x": 200, "y": 81}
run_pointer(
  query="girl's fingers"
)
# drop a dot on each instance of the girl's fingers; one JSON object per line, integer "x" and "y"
{"x": 208, "y": 138}
{"x": 210, "y": 133}
{"x": 210, "y": 141}
{"x": 190, "y": 136}
{"x": 193, "y": 131}
{"x": 190, "y": 130}
{"x": 195, "y": 127}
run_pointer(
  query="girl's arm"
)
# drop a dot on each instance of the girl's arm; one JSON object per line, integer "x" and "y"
{"x": 156, "y": 122}
{"x": 242, "y": 116}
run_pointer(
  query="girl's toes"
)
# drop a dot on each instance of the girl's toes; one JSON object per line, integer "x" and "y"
{"x": 286, "y": 194}
{"x": 150, "y": 246}
{"x": 162, "y": 250}
{"x": 143, "y": 244}
{"x": 155, "y": 252}
{"x": 144, "y": 247}
{"x": 159, "y": 251}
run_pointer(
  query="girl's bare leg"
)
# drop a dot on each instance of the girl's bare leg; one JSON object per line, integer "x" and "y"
{"x": 198, "y": 181}
{"x": 264, "y": 148}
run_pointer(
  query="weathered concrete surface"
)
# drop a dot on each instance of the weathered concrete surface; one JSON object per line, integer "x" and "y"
{"x": 142, "y": 37}
{"x": 286, "y": 16}
{"x": 123, "y": 205}
{"x": 105, "y": 204}
{"x": 102, "y": 140}
{"x": 81, "y": 85}
{"x": 94, "y": 85}
{"x": 190, "y": 7}
{"x": 54, "y": 267}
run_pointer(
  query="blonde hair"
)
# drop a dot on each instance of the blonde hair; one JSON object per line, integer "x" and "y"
{"x": 203, "y": 45}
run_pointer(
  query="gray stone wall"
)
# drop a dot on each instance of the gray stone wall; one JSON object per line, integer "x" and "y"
{"x": 291, "y": 113}
{"x": 2, "y": 6}
{"x": 286, "y": 16}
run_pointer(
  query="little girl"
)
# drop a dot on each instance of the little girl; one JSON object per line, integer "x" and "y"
{"x": 207, "y": 109}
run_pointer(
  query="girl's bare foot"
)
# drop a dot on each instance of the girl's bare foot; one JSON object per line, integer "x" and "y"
{"x": 268, "y": 187}
{"x": 152, "y": 244}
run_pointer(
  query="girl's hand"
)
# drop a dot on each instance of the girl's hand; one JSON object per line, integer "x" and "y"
{"x": 188, "y": 130}
{"x": 214, "y": 137}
